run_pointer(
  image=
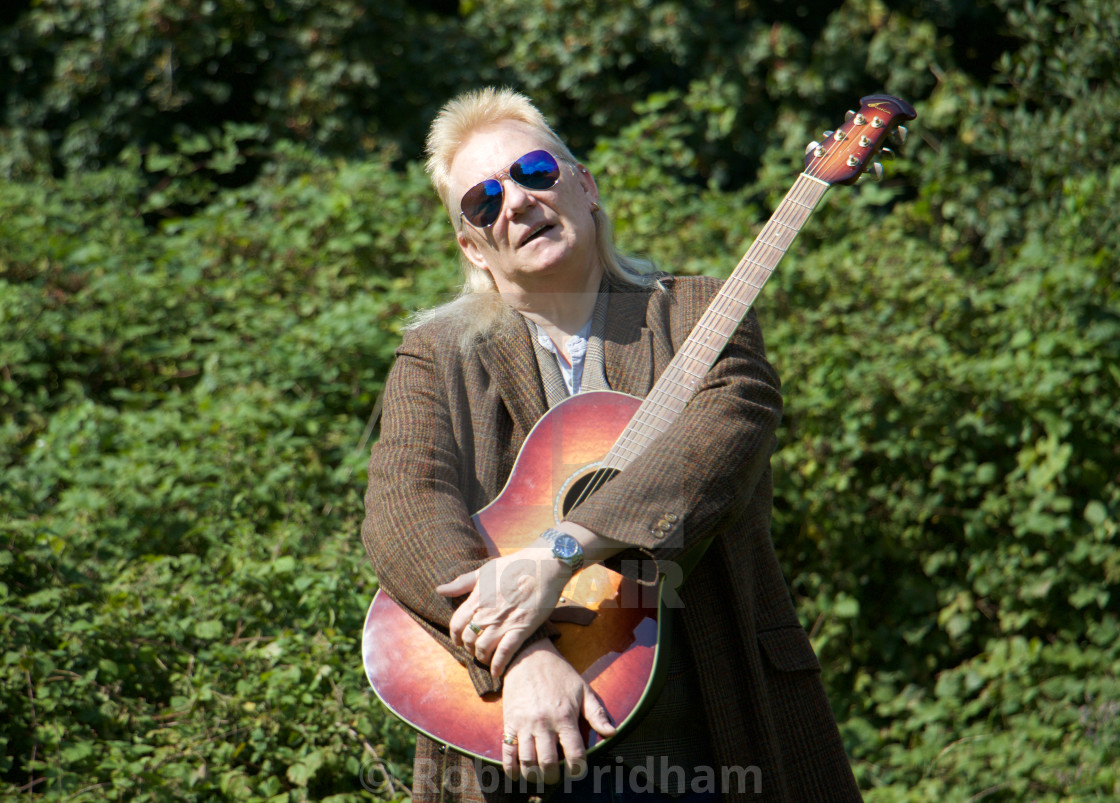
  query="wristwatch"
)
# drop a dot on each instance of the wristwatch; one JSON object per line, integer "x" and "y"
{"x": 565, "y": 549}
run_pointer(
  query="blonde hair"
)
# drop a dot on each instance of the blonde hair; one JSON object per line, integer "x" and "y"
{"x": 479, "y": 305}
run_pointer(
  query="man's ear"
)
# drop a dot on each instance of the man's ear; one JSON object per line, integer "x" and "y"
{"x": 471, "y": 250}
{"x": 587, "y": 181}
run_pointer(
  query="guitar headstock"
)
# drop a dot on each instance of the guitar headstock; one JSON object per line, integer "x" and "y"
{"x": 848, "y": 151}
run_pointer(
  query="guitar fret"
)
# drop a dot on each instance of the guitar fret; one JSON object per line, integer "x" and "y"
{"x": 645, "y": 434}
{"x": 671, "y": 411}
{"x": 644, "y": 410}
{"x": 646, "y": 415}
{"x": 728, "y": 296}
{"x": 781, "y": 251}
{"x": 759, "y": 244}
{"x": 684, "y": 370}
{"x": 620, "y": 445}
{"x": 792, "y": 218}
{"x": 773, "y": 246}
{"x": 669, "y": 405}
{"x": 701, "y": 325}
{"x": 694, "y": 358}
{"x": 786, "y": 236}
{"x": 722, "y": 315}
{"x": 731, "y": 318}
{"x": 689, "y": 352}
{"x": 639, "y": 438}
{"x": 633, "y": 443}
{"x": 743, "y": 279}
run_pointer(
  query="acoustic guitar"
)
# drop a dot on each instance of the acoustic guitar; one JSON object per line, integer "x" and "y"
{"x": 610, "y": 626}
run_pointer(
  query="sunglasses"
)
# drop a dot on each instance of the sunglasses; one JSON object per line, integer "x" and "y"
{"x": 482, "y": 203}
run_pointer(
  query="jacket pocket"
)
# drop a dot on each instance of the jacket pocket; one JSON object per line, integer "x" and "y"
{"x": 788, "y": 649}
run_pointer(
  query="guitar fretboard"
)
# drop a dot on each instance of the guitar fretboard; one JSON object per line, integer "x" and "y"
{"x": 682, "y": 377}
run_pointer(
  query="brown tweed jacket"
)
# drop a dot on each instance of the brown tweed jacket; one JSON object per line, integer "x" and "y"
{"x": 451, "y": 429}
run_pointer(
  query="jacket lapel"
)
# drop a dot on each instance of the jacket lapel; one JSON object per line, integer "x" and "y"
{"x": 628, "y": 346}
{"x": 509, "y": 358}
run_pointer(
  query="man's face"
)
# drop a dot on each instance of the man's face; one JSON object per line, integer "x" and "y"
{"x": 542, "y": 240}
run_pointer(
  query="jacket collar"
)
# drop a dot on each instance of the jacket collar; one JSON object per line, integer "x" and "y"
{"x": 508, "y": 355}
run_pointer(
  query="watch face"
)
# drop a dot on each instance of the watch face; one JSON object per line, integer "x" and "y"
{"x": 565, "y": 547}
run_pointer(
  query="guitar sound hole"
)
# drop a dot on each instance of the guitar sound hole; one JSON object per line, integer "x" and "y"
{"x": 584, "y": 486}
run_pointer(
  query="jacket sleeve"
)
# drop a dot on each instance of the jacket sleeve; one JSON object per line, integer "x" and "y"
{"x": 704, "y": 468}
{"x": 417, "y": 529}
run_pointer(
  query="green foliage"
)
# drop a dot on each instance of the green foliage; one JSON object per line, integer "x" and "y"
{"x": 99, "y": 75}
{"x": 182, "y": 420}
{"x": 214, "y": 223}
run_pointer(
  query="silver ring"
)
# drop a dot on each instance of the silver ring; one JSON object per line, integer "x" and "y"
{"x": 476, "y": 629}
{"x": 509, "y": 738}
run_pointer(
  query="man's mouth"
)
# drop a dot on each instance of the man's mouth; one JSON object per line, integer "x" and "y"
{"x": 537, "y": 232}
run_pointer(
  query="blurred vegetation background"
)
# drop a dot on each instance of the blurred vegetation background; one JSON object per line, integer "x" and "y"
{"x": 213, "y": 220}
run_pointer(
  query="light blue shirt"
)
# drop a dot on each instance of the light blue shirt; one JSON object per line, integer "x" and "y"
{"x": 577, "y": 349}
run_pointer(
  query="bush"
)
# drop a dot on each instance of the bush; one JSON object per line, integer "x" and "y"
{"x": 197, "y": 314}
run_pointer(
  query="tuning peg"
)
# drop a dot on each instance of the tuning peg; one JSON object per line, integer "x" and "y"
{"x": 848, "y": 115}
{"x": 828, "y": 134}
{"x": 898, "y": 136}
{"x": 812, "y": 146}
{"x": 873, "y": 172}
{"x": 887, "y": 154}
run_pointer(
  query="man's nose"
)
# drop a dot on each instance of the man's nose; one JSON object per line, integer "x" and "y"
{"x": 517, "y": 197}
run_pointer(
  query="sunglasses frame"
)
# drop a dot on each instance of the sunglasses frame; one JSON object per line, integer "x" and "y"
{"x": 504, "y": 174}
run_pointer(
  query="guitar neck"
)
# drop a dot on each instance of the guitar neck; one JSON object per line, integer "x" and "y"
{"x": 680, "y": 380}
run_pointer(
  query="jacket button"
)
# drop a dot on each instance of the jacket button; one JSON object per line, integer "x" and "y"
{"x": 672, "y": 517}
{"x": 664, "y": 526}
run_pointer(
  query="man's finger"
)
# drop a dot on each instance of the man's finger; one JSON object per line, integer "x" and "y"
{"x": 468, "y": 639}
{"x": 547, "y": 757}
{"x": 455, "y": 627}
{"x": 504, "y": 652}
{"x": 571, "y": 742}
{"x": 596, "y": 715}
{"x": 463, "y": 584}
{"x": 527, "y": 757}
{"x": 485, "y": 641}
{"x": 510, "y": 762}
{"x": 462, "y": 618}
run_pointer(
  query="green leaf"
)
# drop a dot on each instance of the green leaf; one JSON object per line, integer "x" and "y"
{"x": 209, "y": 629}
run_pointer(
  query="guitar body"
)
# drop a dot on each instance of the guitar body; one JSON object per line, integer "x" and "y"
{"x": 616, "y": 651}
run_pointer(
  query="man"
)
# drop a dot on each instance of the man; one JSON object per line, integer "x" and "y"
{"x": 551, "y": 308}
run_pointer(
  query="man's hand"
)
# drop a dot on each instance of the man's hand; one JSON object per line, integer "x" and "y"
{"x": 508, "y": 598}
{"x": 542, "y": 700}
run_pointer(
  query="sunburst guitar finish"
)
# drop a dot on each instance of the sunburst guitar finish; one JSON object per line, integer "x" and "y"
{"x": 616, "y": 652}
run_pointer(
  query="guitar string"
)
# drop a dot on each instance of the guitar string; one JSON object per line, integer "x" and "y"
{"x": 640, "y": 420}
{"x": 633, "y": 430}
{"x": 724, "y": 302}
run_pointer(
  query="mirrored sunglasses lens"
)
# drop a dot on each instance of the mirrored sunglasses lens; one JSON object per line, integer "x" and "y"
{"x": 536, "y": 170}
{"x": 482, "y": 203}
